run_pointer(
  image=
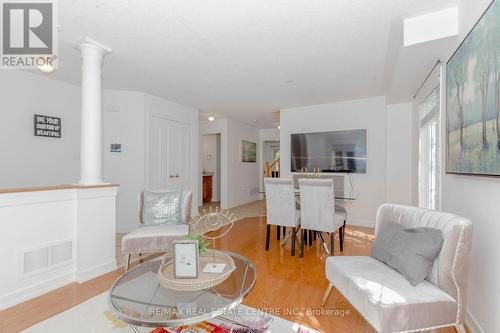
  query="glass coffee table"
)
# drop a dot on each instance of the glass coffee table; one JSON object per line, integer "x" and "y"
{"x": 138, "y": 299}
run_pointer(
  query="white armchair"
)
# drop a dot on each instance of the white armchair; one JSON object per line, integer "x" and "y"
{"x": 387, "y": 301}
{"x": 157, "y": 238}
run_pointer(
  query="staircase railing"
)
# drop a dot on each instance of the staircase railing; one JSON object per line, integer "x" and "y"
{"x": 272, "y": 170}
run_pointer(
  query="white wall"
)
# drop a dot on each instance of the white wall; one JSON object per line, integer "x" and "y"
{"x": 477, "y": 198}
{"x": 369, "y": 114}
{"x": 243, "y": 186}
{"x": 209, "y": 148}
{"x": 240, "y": 181}
{"x": 129, "y": 127}
{"x": 28, "y": 160}
{"x": 125, "y": 168}
{"x": 399, "y": 160}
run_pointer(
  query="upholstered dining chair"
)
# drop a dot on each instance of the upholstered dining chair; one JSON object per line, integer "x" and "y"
{"x": 317, "y": 211}
{"x": 388, "y": 301}
{"x": 340, "y": 207}
{"x": 281, "y": 208}
{"x": 157, "y": 238}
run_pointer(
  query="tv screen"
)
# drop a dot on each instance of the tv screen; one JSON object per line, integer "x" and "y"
{"x": 338, "y": 151}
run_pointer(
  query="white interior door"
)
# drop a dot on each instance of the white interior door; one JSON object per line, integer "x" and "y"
{"x": 183, "y": 161}
{"x": 158, "y": 151}
{"x": 169, "y": 154}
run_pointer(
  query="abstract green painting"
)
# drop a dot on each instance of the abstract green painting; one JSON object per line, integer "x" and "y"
{"x": 473, "y": 100}
{"x": 248, "y": 151}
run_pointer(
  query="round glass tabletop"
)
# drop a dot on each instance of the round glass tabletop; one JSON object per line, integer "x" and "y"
{"x": 138, "y": 299}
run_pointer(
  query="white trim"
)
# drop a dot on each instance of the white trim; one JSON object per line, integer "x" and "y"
{"x": 88, "y": 274}
{"x": 35, "y": 290}
{"x": 87, "y": 41}
{"x": 36, "y": 197}
{"x": 360, "y": 223}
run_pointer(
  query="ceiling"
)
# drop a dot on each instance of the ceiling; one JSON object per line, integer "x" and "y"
{"x": 246, "y": 59}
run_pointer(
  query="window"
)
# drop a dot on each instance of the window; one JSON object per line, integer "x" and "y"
{"x": 428, "y": 177}
{"x": 276, "y": 154}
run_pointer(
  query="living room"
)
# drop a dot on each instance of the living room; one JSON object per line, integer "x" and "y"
{"x": 237, "y": 129}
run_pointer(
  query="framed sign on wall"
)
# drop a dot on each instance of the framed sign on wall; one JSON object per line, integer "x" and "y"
{"x": 47, "y": 126}
{"x": 186, "y": 259}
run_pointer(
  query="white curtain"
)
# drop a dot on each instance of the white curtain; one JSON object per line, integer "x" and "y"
{"x": 429, "y": 155}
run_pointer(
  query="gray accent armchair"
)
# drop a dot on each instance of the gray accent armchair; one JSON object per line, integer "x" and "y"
{"x": 387, "y": 301}
{"x": 157, "y": 238}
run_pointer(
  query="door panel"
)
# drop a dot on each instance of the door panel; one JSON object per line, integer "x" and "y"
{"x": 170, "y": 150}
{"x": 158, "y": 150}
{"x": 184, "y": 166}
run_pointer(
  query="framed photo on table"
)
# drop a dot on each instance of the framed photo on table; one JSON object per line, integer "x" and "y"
{"x": 186, "y": 259}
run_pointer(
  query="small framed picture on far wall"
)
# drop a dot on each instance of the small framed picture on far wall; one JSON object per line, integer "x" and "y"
{"x": 115, "y": 148}
{"x": 248, "y": 151}
{"x": 186, "y": 259}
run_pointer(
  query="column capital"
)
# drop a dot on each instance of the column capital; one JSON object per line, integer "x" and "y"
{"x": 85, "y": 42}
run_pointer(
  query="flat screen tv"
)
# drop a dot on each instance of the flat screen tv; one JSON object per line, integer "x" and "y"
{"x": 338, "y": 151}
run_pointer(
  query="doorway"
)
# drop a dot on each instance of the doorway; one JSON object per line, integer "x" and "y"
{"x": 271, "y": 159}
{"x": 211, "y": 170}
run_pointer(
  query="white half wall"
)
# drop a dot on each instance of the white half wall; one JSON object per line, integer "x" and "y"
{"x": 476, "y": 198}
{"x": 369, "y": 114}
{"x": 36, "y": 221}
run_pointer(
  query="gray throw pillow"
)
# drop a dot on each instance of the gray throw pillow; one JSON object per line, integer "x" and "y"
{"x": 409, "y": 251}
{"x": 161, "y": 207}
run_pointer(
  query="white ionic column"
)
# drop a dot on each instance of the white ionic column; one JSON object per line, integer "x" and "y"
{"x": 91, "y": 121}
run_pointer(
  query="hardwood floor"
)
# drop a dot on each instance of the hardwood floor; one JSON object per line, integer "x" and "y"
{"x": 289, "y": 287}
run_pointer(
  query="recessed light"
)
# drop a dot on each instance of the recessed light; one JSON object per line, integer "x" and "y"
{"x": 289, "y": 81}
{"x": 279, "y": 127}
{"x": 211, "y": 117}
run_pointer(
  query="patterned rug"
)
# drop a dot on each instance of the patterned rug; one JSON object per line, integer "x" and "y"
{"x": 252, "y": 209}
{"x": 93, "y": 316}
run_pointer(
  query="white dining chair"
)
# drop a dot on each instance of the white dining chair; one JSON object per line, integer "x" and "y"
{"x": 281, "y": 208}
{"x": 317, "y": 210}
{"x": 340, "y": 207}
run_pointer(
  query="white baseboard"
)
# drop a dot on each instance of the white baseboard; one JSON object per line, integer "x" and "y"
{"x": 244, "y": 202}
{"x": 95, "y": 271}
{"x": 35, "y": 290}
{"x": 361, "y": 223}
{"x": 473, "y": 324}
